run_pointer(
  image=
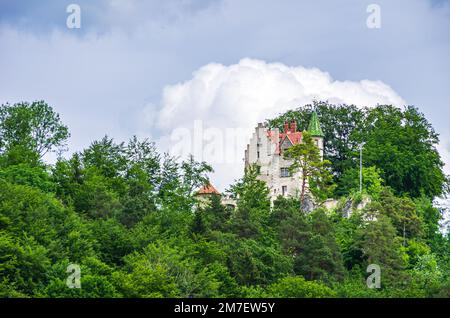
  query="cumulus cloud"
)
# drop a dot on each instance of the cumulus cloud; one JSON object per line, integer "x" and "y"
{"x": 444, "y": 203}
{"x": 100, "y": 76}
{"x": 444, "y": 150}
{"x": 219, "y": 101}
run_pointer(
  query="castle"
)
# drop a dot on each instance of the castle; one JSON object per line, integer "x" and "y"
{"x": 266, "y": 149}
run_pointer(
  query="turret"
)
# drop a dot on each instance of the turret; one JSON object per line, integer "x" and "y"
{"x": 316, "y": 132}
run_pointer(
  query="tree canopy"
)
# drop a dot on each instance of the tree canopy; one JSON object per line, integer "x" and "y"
{"x": 130, "y": 218}
{"x": 34, "y": 126}
{"x": 399, "y": 143}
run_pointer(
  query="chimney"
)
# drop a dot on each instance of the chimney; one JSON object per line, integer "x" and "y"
{"x": 293, "y": 126}
{"x": 286, "y": 127}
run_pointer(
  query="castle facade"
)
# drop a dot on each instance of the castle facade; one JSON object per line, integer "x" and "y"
{"x": 266, "y": 148}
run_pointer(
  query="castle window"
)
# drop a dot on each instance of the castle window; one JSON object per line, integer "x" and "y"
{"x": 257, "y": 154}
{"x": 284, "y": 172}
{"x": 284, "y": 190}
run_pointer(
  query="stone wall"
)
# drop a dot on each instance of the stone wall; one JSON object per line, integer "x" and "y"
{"x": 262, "y": 151}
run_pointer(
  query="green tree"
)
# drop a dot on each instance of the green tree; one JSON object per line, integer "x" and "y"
{"x": 372, "y": 183}
{"x": 251, "y": 192}
{"x": 194, "y": 174}
{"x": 129, "y": 217}
{"x": 198, "y": 226}
{"x": 177, "y": 181}
{"x": 23, "y": 264}
{"x": 113, "y": 240}
{"x": 20, "y": 154}
{"x": 298, "y": 287}
{"x": 254, "y": 263}
{"x": 163, "y": 271}
{"x": 430, "y": 216}
{"x": 34, "y": 176}
{"x": 338, "y": 122}
{"x": 403, "y": 145}
{"x": 216, "y": 215}
{"x": 379, "y": 245}
{"x": 346, "y": 231}
{"x": 95, "y": 198}
{"x": 67, "y": 175}
{"x": 402, "y": 212}
{"x": 426, "y": 274}
{"x": 96, "y": 280}
{"x": 399, "y": 142}
{"x": 293, "y": 229}
{"x": 253, "y": 204}
{"x": 26, "y": 211}
{"x": 142, "y": 178}
{"x": 107, "y": 157}
{"x": 35, "y": 126}
{"x": 321, "y": 258}
{"x": 306, "y": 158}
{"x": 309, "y": 240}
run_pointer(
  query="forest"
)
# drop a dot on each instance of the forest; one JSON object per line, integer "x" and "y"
{"x": 127, "y": 216}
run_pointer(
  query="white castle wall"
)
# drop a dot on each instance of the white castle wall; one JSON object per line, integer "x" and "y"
{"x": 271, "y": 163}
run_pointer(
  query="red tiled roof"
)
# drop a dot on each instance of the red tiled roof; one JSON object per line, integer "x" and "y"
{"x": 294, "y": 136}
{"x": 208, "y": 189}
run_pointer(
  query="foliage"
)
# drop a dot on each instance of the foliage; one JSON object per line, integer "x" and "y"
{"x": 372, "y": 183}
{"x": 131, "y": 219}
{"x": 298, "y": 287}
{"x": 306, "y": 159}
{"x": 401, "y": 143}
{"x": 34, "y": 126}
{"x": 253, "y": 204}
{"x": 379, "y": 245}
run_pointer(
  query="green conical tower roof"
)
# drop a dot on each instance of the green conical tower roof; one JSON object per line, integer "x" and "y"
{"x": 314, "y": 126}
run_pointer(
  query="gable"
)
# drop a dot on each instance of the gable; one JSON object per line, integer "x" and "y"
{"x": 286, "y": 143}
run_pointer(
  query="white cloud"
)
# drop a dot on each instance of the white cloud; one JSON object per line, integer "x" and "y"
{"x": 444, "y": 150}
{"x": 243, "y": 94}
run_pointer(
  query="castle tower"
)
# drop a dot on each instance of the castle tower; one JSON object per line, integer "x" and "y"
{"x": 205, "y": 193}
{"x": 316, "y": 132}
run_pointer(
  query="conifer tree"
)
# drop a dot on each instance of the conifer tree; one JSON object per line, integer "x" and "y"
{"x": 321, "y": 258}
{"x": 306, "y": 158}
{"x": 380, "y": 245}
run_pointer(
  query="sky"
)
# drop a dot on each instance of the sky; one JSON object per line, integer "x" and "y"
{"x": 196, "y": 76}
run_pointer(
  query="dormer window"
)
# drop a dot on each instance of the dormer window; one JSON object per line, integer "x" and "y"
{"x": 286, "y": 144}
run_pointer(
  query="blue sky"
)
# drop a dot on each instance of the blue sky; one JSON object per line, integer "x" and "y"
{"x": 129, "y": 61}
